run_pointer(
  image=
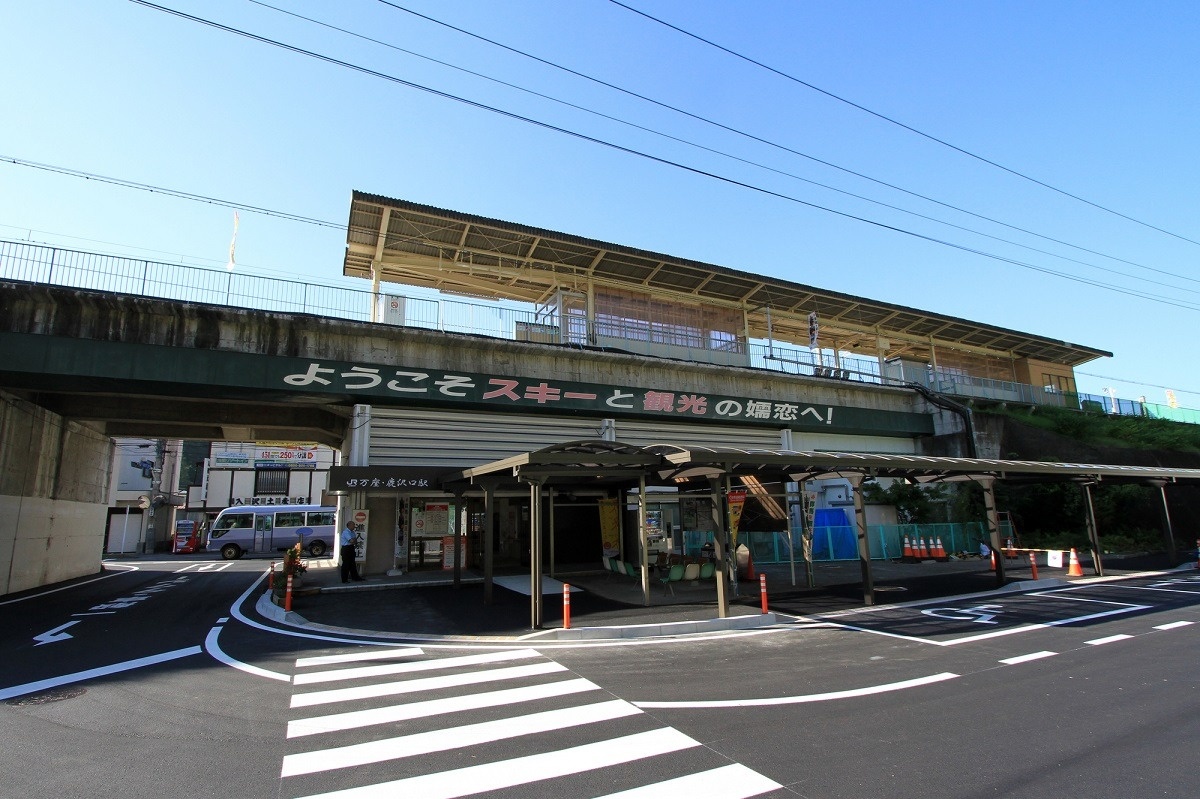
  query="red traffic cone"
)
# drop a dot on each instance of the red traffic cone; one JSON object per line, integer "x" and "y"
{"x": 940, "y": 552}
{"x": 924, "y": 550}
{"x": 908, "y": 551}
{"x": 750, "y": 575}
{"x": 1073, "y": 568}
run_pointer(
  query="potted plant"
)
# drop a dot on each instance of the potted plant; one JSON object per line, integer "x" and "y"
{"x": 293, "y": 566}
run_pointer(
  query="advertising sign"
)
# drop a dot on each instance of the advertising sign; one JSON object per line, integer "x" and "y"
{"x": 610, "y": 526}
{"x": 737, "y": 499}
{"x": 361, "y": 519}
{"x": 270, "y": 455}
{"x": 449, "y": 547}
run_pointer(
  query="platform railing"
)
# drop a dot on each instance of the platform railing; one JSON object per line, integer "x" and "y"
{"x": 40, "y": 263}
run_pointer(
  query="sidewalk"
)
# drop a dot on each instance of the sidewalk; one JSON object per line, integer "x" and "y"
{"x": 605, "y": 605}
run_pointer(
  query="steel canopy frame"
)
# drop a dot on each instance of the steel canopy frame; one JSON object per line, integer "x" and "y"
{"x": 618, "y": 464}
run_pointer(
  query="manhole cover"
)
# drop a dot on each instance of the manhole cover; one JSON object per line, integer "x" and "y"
{"x": 46, "y": 697}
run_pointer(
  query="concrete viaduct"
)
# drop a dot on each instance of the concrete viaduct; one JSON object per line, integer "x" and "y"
{"x": 80, "y": 367}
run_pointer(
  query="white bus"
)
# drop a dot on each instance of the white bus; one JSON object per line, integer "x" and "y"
{"x": 263, "y": 529}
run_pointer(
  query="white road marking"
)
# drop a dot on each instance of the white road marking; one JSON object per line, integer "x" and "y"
{"x": 1026, "y": 658}
{"x": 793, "y": 700}
{"x": 436, "y": 707}
{"x": 734, "y": 781}
{"x": 453, "y": 737}
{"x": 1173, "y": 625}
{"x": 356, "y": 657}
{"x": 1110, "y": 639}
{"x": 406, "y": 668}
{"x": 426, "y": 684}
{"x": 102, "y": 671}
{"x": 72, "y": 585}
{"x": 524, "y": 770}
{"x": 213, "y": 648}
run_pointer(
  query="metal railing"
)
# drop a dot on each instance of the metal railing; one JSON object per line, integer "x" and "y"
{"x": 39, "y": 263}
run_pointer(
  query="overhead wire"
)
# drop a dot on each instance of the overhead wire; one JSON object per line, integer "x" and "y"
{"x": 761, "y": 140}
{"x": 657, "y": 159}
{"x": 757, "y": 164}
{"x": 900, "y": 124}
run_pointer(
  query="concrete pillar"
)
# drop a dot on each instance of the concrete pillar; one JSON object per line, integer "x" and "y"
{"x": 1168, "y": 532}
{"x": 535, "y": 555}
{"x": 643, "y": 543}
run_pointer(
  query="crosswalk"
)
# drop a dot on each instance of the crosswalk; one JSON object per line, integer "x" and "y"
{"x": 513, "y": 722}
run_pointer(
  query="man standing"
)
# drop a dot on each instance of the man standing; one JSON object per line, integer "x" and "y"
{"x": 349, "y": 564}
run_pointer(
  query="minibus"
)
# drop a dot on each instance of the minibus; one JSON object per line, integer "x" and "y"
{"x": 263, "y": 529}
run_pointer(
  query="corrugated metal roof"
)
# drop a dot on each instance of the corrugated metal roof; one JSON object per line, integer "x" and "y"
{"x": 455, "y": 251}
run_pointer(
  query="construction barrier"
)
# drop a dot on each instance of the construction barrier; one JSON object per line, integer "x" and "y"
{"x": 762, "y": 590}
{"x": 1033, "y": 564}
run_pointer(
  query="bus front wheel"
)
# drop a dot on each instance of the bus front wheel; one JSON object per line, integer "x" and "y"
{"x": 231, "y": 551}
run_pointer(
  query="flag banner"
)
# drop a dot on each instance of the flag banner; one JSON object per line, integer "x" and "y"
{"x": 610, "y": 526}
{"x": 737, "y": 500}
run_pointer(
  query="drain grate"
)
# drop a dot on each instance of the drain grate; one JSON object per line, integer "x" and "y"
{"x": 46, "y": 697}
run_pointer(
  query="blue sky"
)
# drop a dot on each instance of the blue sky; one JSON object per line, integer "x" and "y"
{"x": 1097, "y": 99}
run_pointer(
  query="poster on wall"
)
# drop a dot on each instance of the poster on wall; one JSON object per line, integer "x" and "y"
{"x": 436, "y": 518}
{"x": 361, "y": 519}
{"x": 610, "y": 526}
{"x": 449, "y": 547}
{"x": 696, "y": 514}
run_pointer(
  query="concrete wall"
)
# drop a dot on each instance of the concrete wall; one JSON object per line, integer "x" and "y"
{"x": 53, "y": 490}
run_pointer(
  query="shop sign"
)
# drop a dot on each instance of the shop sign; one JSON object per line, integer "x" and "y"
{"x": 359, "y": 478}
{"x": 235, "y": 502}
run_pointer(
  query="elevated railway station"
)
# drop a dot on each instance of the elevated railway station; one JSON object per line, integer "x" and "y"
{"x": 640, "y": 356}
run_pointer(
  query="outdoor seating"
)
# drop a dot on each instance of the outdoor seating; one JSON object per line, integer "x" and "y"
{"x": 707, "y": 570}
{"x": 672, "y": 576}
{"x": 691, "y": 572}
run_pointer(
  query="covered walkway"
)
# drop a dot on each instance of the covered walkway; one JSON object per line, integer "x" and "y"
{"x": 710, "y": 472}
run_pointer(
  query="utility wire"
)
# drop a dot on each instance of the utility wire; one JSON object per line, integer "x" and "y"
{"x": 896, "y": 122}
{"x": 760, "y": 140}
{"x": 757, "y": 164}
{"x": 647, "y": 156}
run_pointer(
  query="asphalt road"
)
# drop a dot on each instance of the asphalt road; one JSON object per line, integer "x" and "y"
{"x": 162, "y": 681}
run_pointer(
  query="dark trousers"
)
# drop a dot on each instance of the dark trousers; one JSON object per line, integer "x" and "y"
{"x": 349, "y": 565}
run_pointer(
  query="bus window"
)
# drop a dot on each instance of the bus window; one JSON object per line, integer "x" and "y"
{"x": 289, "y": 519}
{"x": 316, "y": 518}
{"x": 231, "y": 521}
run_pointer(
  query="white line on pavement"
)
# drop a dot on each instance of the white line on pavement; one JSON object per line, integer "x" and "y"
{"x": 436, "y": 707}
{"x": 1110, "y": 639}
{"x": 425, "y": 684}
{"x": 102, "y": 671}
{"x": 523, "y": 770}
{"x": 355, "y": 657}
{"x": 1172, "y": 625}
{"x": 1026, "y": 658}
{"x": 793, "y": 700}
{"x": 454, "y": 737}
{"x": 407, "y": 668}
{"x": 734, "y": 781}
{"x": 214, "y": 649}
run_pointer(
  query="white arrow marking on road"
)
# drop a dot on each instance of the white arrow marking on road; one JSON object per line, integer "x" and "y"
{"x": 57, "y": 634}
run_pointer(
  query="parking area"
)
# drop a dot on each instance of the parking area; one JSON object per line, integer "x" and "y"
{"x": 968, "y": 619}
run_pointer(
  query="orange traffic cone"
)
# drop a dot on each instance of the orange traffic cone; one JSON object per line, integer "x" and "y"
{"x": 750, "y": 575}
{"x": 1012, "y": 553}
{"x": 993, "y": 560}
{"x": 939, "y": 550}
{"x": 1073, "y": 568}
{"x": 908, "y": 552}
{"x": 924, "y": 550}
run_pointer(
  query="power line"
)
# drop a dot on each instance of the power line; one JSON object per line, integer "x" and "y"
{"x": 775, "y": 145}
{"x": 896, "y": 122}
{"x": 547, "y": 126}
{"x": 760, "y": 165}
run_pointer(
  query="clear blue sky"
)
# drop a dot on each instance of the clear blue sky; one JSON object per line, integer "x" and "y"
{"x": 1099, "y": 99}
